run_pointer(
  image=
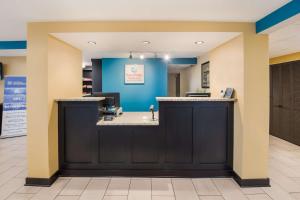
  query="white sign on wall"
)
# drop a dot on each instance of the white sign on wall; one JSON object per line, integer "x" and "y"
{"x": 134, "y": 74}
{"x": 14, "y": 107}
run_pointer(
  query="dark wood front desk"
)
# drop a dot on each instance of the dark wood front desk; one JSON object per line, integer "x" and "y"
{"x": 190, "y": 139}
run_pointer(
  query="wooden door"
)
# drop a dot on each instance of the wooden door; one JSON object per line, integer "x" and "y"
{"x": 285, "y": 103}
{"x": 296, "y": 101}
{"x": 276, "y": 93}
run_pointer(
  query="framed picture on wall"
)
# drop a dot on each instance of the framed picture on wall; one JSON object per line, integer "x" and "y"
{"x": 134, "y": 74}
{"x": 205, "y": 75}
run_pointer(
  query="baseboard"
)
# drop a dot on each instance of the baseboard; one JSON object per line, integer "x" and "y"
{"x": 11, "y": 136}
{"x": 261, "y": 182}
{"x": 148, "y": 173}
{"x": 41, "y": 182}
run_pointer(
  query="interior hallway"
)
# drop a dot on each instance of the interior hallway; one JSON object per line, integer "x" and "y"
{"x": 284, "y": 172}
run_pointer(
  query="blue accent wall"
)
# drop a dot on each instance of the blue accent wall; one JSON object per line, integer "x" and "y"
{"x": 13, "y": 45}
{"x": 135, "y": 97}
{"x": 285, "y": 12}
{"x": 181, "y": 61}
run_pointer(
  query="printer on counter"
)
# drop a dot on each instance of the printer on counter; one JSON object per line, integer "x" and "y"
{"x": 111, "y": 106}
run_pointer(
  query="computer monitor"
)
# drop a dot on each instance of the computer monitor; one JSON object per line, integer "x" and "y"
{"x": 113, "y": 98}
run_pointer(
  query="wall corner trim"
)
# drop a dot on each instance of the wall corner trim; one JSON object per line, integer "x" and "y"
{"x": 259, "y": 182}
{"x": 41, "y": 182}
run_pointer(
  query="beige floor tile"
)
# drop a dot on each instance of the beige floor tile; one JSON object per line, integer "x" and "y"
{"x": 115, "y": 198}
{"x": 140, "y": 189}
{"x": 285, "y": 182}
{"x": 162, "y": 186}
{"x": 258, "y": 197}
{"x": 20, "y": 196}
{"x": 28, "y": 189}
{"x": 49, "y": 193}
{"x": 184, "y": 189}
{"x": 229, "y": 190}
{"x": 95, "y": 189}
{"x": 118, "y": 186}
{"x": 295, "y": 196}
{"x": 205, "y": 186}
{"x": 252, "y": 190}
{"x": 9, "y": 174}
{"x": 277, "y": 193}
{"x": 10, "y": 187}
{"x": 67, "y": 198}
{"x": 164, "y": 197}
{"x": 75, "y": 186}
{"x": 211, "y": 198}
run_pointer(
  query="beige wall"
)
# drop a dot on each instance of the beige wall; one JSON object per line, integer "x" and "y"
{"x": 242, "y": 63}
{"x": 54, "y": 72}
{"x": 64, "y": 80}
{"x": 14, "y": 66}
{"x": 191, "y": 76}
{"x": 250, "y": 147}
{"x": 171, "y": 85}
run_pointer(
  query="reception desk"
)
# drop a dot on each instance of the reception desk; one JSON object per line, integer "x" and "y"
{"x": 191, "y": 137}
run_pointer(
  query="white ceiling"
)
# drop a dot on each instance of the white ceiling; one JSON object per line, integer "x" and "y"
{"x": 16, "y": 13}
{"x": 112, "y": 45}
{"x": 285, "y": 40}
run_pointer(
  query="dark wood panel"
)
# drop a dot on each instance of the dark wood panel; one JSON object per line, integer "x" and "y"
{"x": 97, "y": 75}
{"x": 179, "y": 134}
{"x": 286, "y": 86}
{"x": 296, "y": 84}
{"x": 146, "y": 144}
{"x": 114, "y": 144}
{"x": 275, "y": 121}
{"x": 276, "y": 86}
{"x": 285, "y": 101}
{"x": 78, "y": 132}
{"x": 166, "y": 150}
{"x": 210, "y": 134}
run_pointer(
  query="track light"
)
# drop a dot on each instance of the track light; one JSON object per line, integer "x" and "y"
{"x": 199, "y": 42}
{"x": 167, "y": 57}
{"x": 92, "y": 42}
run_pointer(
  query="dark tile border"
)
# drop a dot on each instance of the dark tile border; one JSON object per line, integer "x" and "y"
{"x": 41, "y": 182}
{"x": 261, "y": 182}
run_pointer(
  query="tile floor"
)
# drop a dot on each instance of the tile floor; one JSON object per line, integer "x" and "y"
{"x": 284, "y": 170}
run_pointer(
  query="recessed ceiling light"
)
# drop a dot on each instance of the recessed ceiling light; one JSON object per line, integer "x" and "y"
{"x": 92, "y": 42}
{"x": 146, "y": 42}
{"x": 199, "y": 42}
{"x": 167, "y": 57}
{"x": 142, "y": 57}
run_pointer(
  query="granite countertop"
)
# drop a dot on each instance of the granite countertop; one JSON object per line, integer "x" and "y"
{"x": 82, "y": 99}
{"x": 132, "y": 119}
{"x": 192, "y": 99}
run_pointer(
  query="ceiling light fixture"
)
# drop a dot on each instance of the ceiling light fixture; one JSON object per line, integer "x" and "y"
{"x": 199, "y": 42}
{"x": 167, "y": 57}
{"x": 146, "y": 42}
{"x": 92, "y": 42}
{"x": 142, "y": 57}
